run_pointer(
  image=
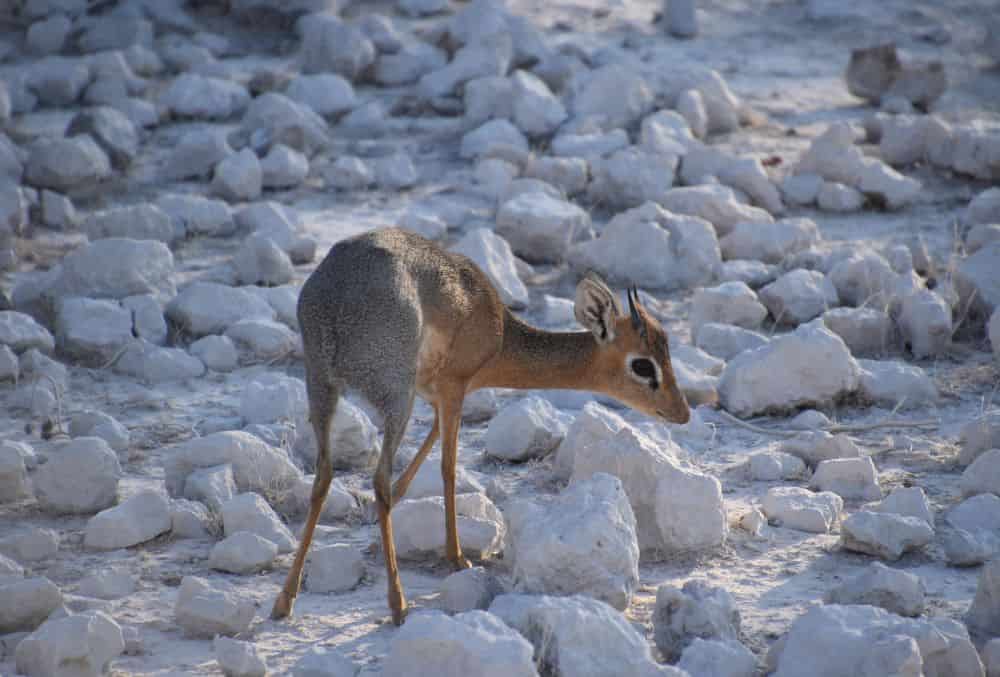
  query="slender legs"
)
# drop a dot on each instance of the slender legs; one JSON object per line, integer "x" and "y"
{"x": 451, "y": 419}
{"x": 322, "y": 403}
{"x": 403, "y": 482}
{"x": 395, "y": 425}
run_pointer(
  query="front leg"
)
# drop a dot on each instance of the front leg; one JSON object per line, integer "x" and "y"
{"x": 451, "y": 420}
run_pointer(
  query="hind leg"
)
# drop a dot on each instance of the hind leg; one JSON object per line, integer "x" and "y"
{"x": 403, "y": 482}
{"x": 396, "y": 418}
{"x": 451, "y": 420}
{"x": 323, "y": 397}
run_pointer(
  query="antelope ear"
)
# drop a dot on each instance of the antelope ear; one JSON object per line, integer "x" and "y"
{"x": 596, "y": 308}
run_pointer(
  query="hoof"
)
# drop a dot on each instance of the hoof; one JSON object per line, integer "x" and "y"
{"x": 460, "y": 562}
{"x": 399, "y": 610}
{"x": 282, "y": 606}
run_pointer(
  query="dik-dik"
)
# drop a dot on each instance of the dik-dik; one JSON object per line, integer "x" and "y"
{"x": 392, "y": 315}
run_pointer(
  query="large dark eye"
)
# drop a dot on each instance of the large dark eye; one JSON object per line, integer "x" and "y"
{"x": 643, "y": 368}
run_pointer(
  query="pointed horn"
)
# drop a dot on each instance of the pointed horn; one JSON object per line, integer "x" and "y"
{"x": 633, "y": 298}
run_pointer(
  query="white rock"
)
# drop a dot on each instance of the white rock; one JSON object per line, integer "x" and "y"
{"x": 9, "y": 367}
{"x": 743, "y": 173}
{"x": 275, "y": 118}
{"x": 834, "y": 157}
{"x": 568, "y": 174}
{"x": 203, "y": 610}
{"x": 583, "y": 541}
{"x": 141, "y": 518}
{"x": 836, "y": 197}
{"x": 865, "y": 640}
{"x": 325, "y": 93}
{"x": 770, "y": 242}
{"x": 667, "y": 132}
{"x": 330, "y": 45}
{"x": 26, "y": 603}
{"x": 894, "y": 590}
{"x": 196, "y": 155}
{"x": 616, "y": 92}
{"x": 334, "y": 568}
{"x": 92, "y": 330}
{"x": 82, "y": 644}
{"x": 888, "y": 383}
{"x": 984, "y": 208}
{"x": 718, "y": 658}
{"x": 906, "y": 501}
{"x": 139, "y": 222}
{"x": 689, "y": 492}
{"x": 591, "y": 145}
{"x": 257, "y": 466}
{"x": 283, "y": 167}
{"x": 925, "y": 323}
{"x": 799, "y": 296}
{"x": 432, "y": 643}
{"x": 80, "y": 477}
{"x": 725, "y": 341}
{"x": 801, "y": 189}
{"x": 250, "y": 512}
{"x": 396, "y": 171}
{"x": 340, "y": 503}
{"x": 112, "y": 131}
{"x": 410, "y": 64}
{"x": 58, "y": 211}
{"x": 322, "y": 662}
{"x": 469, "y": 589}
{"x": 204, "y": 308}
{"x": 113, "y": 268}
{"x": 242, "y": 553}
{"x": 630, "y": 177}
{"x": 107, "y": 585}
{"x": 238, "y": 659}
{"x": 797, "y": 508}
{"x": 48, "y": 36}
{"x": 238, "y": 177}
{"x": 807, "y": 367}
{"x": 21, "y": 332}
{"x": 578, "y": 635}
{"x": 976, "y": 280}
{"x": 814, "y": 447}
{"x": 212, "y": 486}
{"x": 152, "y": 364}
{"x": 189, "y": 519}
{"x": 540, "y": 228}
{"x": 730, "y": 303}
{"x": 697, "y": 610}
{"x": 770, "y": 466}
{"x": 58, "y": 81}
{"x": 217, "y": 352}
{"x": 64, "y": 164}
{"x": 493, "y": 137}
{"x": 537, "y": 112}
{"x": 202, "y": 97}
{"x": 350, "y": 173}
{"x": 197, "y": 215}
{"x": 994, "y": 333}
{"x": 982, "y": 475}
{"x": 850, "y": 478}
{"x": 261, "y": 261}
{"x": 419, "y": 526}
{"x": 978, "y": 513}
{"x": 493, "y": 255}
{"x": 653, "y": 248}
{"x": 716, "y": 204}
{"x": 885, "y": 535}
{"x": 984, "y": 614}
{"x": 490, "y": 56}
{"x": 991, "y": 657}
{"x": 529, "y": 428}
{"x": 866, "y": 331}
{"x": 147, "y": 318}
{"x": 31, "y": 545}
{"x": 13, "y": 475}
{"x": 978, "y": 435}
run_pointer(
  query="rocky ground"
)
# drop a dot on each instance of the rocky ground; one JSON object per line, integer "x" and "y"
{"x": 818, "y": 232}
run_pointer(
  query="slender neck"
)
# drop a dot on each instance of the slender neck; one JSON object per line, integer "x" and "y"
{"x": 533, "y": 358}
